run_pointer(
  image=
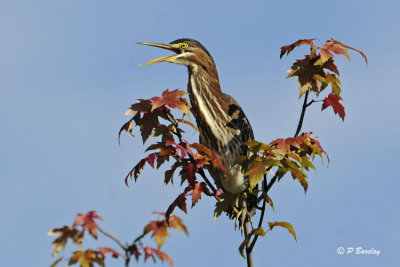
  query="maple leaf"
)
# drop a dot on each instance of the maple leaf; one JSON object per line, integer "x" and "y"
{"x": 348, "y": 47}
{"x": 255, "y": 173}
{"x": 105, "y": 251}
{"x": 133, "y": 250}
{"x": 179, "y": 202}
{"x": 161, "y": 255}
{"x": 297, "y": 173}
{"x": 286, "y": 225}
{"x": 188, "y": 123}
{"x": 226, "y": 202}
{"x": 144, "y": 105}
{"x": 57, "y": 262}
{"x": 172, "y": 99}
{"x": 329, "y": 47}
{"x": 214, "y": 159}
{"x": 160, "y": 231}
{"x": 329, "y": 65}
{"x": 64, "y": 234}
{"x": 88, "y": 222}
{"x": 201, "y": 148}
{"x": 333, "y": 101}
{"x": 196, "y": 193}
{"x": 305, "y": 69}
{"x": 288, "y": 48}
{"x": 281, "y": 145}
{"x": 182, "y": 147}
{"x": 151, "y": 158}
{"x": 87, "y": 258}
{"x": 148, "y": 123}
{"x": 127, "y": 127}
{"x": 335, "y": 82}
{"x": 169, "y": 173}
{"x": 165, "y": 132}
{"x": 188, "y": 173}
{"x": 316, "y": 143}
{"x": 135, "y": 172}
{"x": 177, "y": 223}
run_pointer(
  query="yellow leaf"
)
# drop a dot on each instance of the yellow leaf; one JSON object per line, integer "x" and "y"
{"x": 284, "y": 225}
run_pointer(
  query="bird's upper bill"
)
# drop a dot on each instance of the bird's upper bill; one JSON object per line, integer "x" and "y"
{"x": 173, "y": 47}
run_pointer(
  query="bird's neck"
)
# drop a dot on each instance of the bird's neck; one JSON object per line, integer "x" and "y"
{"x": 208, "y": 106}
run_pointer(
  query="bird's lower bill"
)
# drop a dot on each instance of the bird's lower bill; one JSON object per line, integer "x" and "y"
{"x": 161, "y": 59}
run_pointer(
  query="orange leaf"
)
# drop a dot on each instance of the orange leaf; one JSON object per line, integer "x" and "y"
{"x": 196, "y": 193}
{"x": 160, "y": 231}
{"x": 161, "y": 255}
{"x": 346, "y": 46}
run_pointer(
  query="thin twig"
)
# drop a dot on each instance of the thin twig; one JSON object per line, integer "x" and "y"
{"x": 303, "y": 111}
{"x": 113, "y": 238}
{"x": 250, "y": 248}
{"x": 313, "y": 101}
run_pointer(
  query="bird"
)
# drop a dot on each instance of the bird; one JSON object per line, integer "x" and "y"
{"x": 221, "y": 122}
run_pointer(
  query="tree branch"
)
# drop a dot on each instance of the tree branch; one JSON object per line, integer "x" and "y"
{"x": 253, "y": 243}
{"x": 303, "y": 111}
{"x": 112, "y": 237}
{"x": 267, "y": 187}
{"x": 249, "y": 253}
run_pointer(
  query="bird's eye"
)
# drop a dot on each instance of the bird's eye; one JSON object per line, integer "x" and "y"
{"x": 184, "y": 45}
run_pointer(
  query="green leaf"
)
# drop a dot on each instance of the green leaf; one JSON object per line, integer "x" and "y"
{"x": 297, "y": 173}
{"x": 284, "y": 225}
{"x": 258, "y": 231}
{"x": 255, "y": 172}
{"x": 306, "y": 163}
{"x": 228, "y": 199}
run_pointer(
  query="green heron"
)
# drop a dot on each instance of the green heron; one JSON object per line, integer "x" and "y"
{"x": 222, "y": 124}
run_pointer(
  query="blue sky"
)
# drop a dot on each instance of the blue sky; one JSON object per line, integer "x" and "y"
{"x": 69, "y": 69}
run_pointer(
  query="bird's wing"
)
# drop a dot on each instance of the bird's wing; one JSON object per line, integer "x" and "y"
{"x": 239, "y": 122}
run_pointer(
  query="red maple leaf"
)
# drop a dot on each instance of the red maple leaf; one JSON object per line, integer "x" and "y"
{"x": 333, "y": 101}
{"x": 104, "y": 251}
{"x": 182, "y": 147}
{"x": 161, "y": 255}
{"x": 179, "y": 202}
{"x": 188, "y": 173}
{"x": 151, "y": 158}
{"x": 288, "y": 48}
{"x": 172, "y": 99}
{"x": 348, "y": 47}
{"x": 88, "y": 222}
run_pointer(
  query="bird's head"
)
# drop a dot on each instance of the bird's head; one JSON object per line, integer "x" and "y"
{"x": 188, "y": 52}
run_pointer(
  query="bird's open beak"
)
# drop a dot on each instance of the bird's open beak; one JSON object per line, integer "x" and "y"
{"x": 163, "y": 46}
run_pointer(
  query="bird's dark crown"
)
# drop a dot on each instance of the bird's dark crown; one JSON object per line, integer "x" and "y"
{"x": 192, "y": 43}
